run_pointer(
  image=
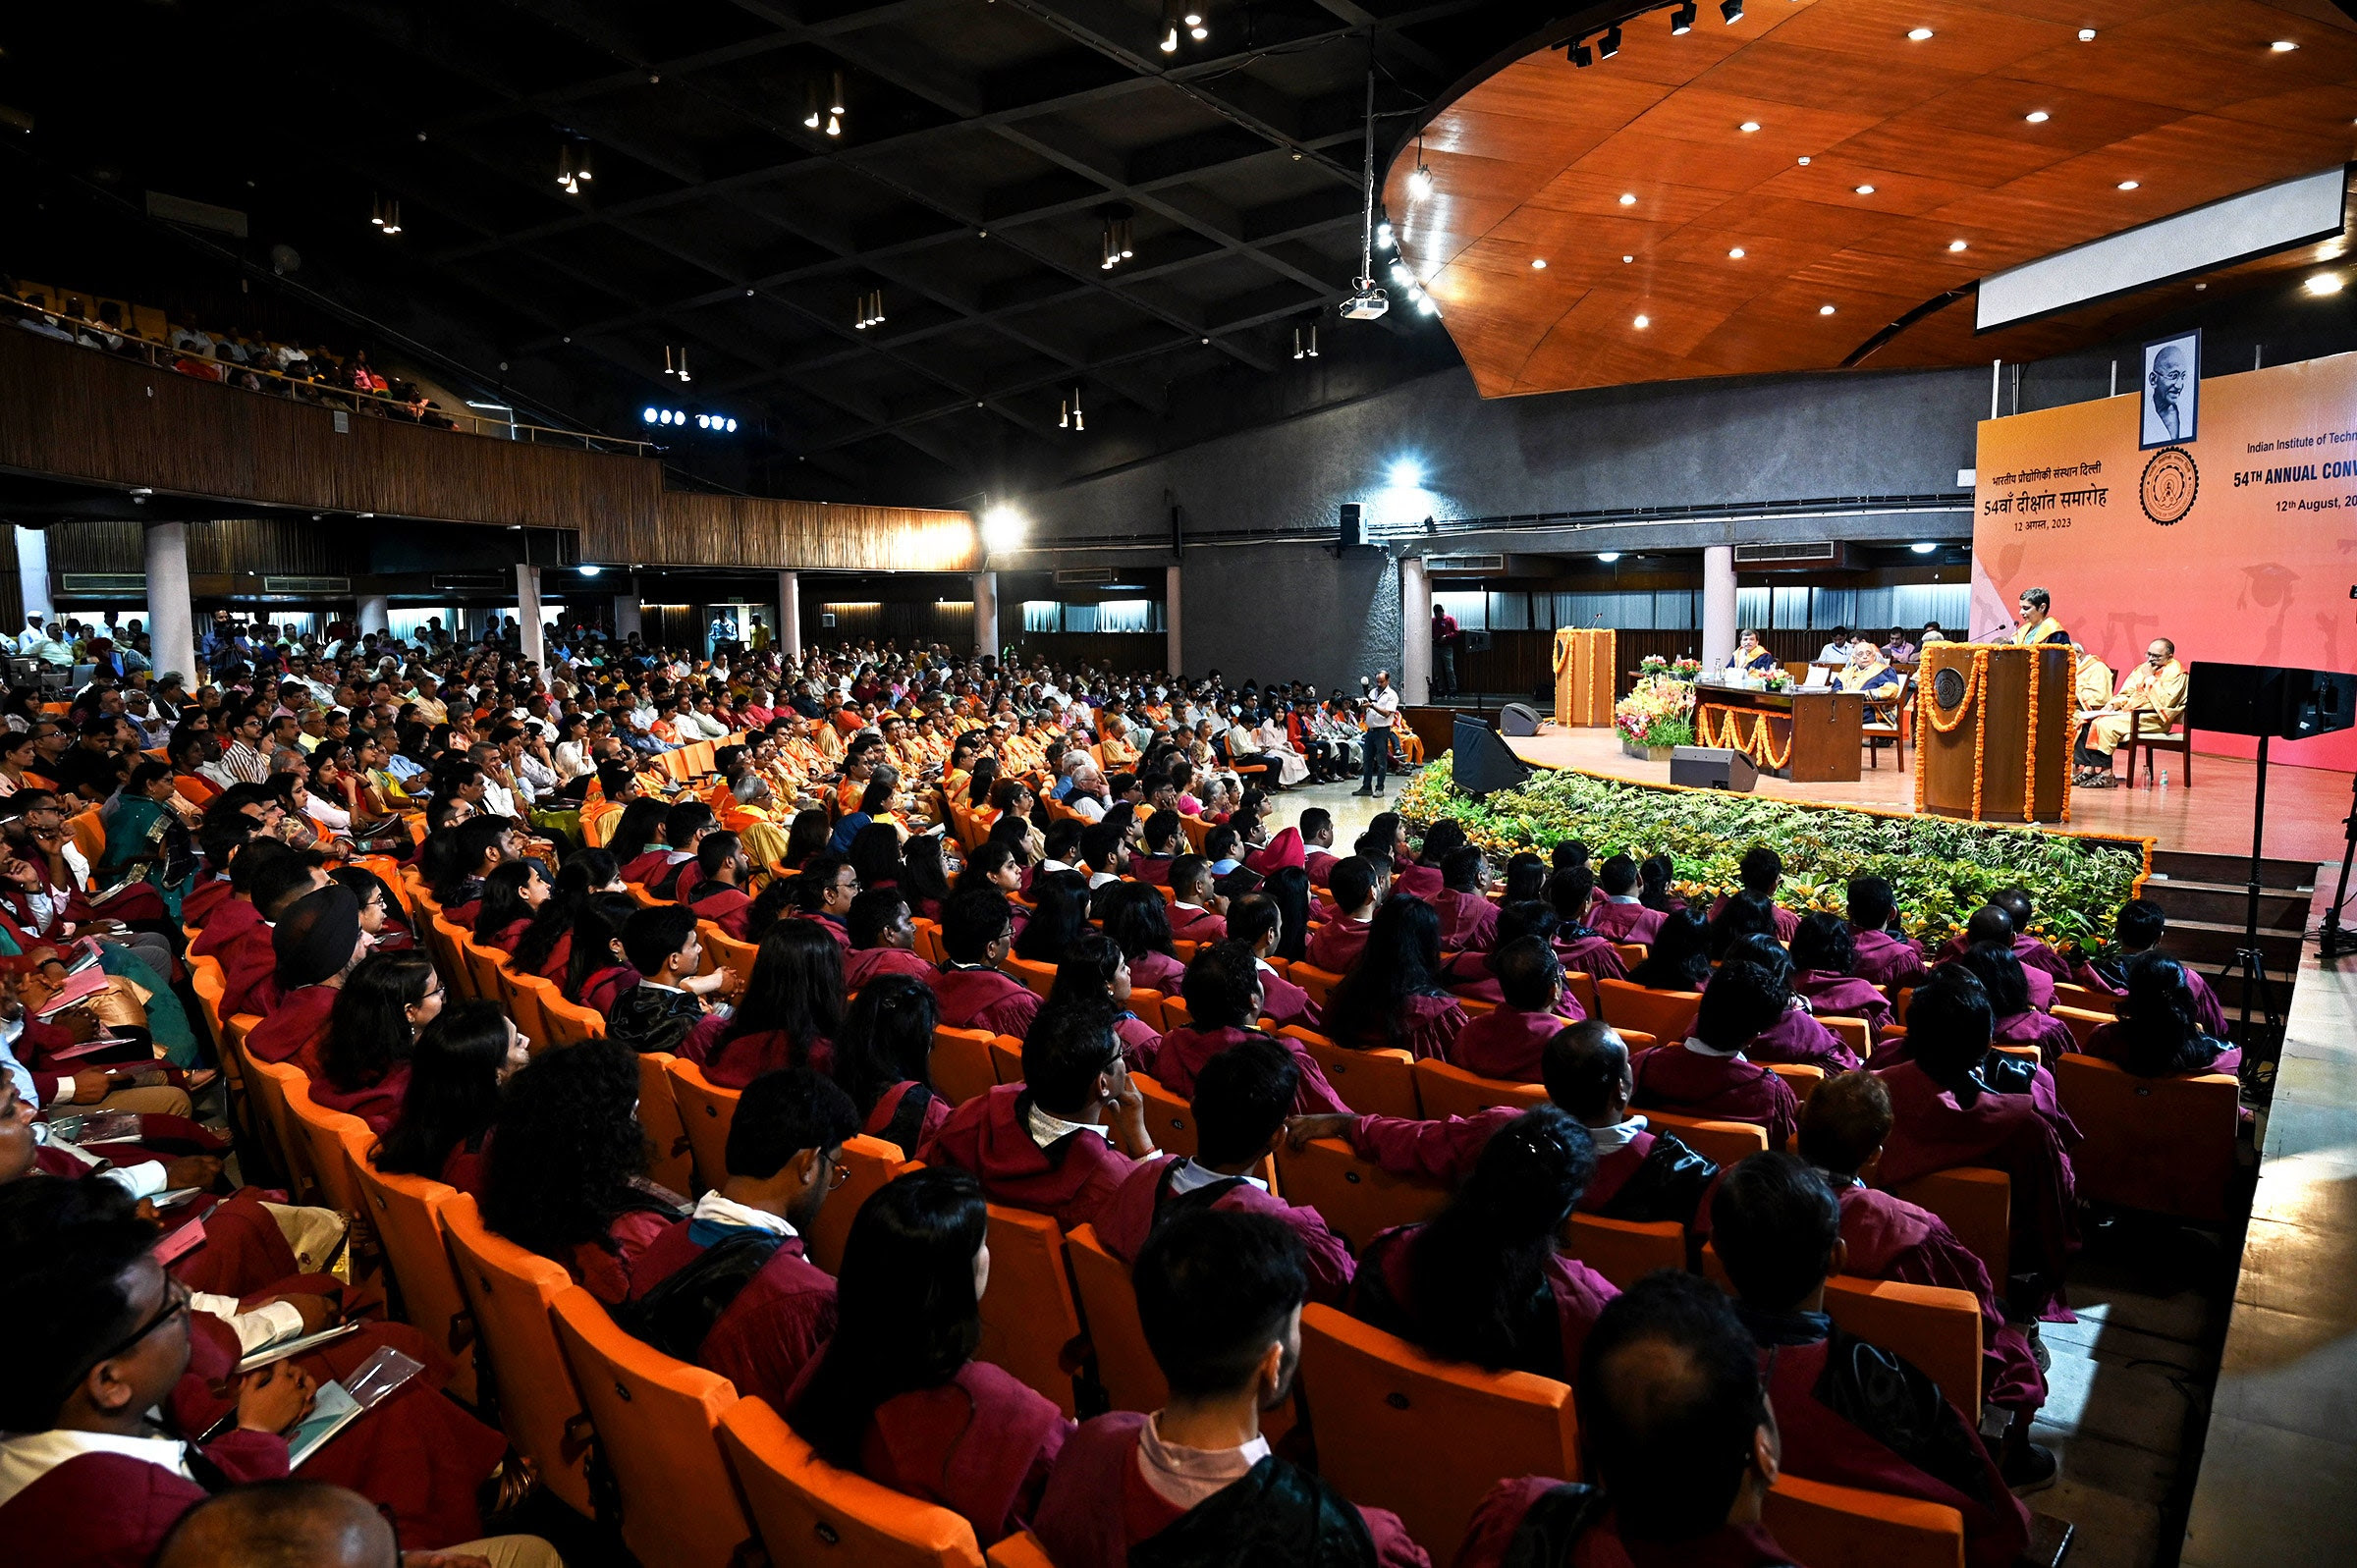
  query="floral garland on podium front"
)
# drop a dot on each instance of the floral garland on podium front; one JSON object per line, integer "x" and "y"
{"x": 1928, "y": 712}
{"x": 1761, "y": 747}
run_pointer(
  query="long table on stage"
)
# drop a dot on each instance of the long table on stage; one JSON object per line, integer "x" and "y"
{"x": 1805, "y": 737}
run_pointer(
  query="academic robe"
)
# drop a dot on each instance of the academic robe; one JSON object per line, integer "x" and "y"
{"x": 1319, "y": 863}
{"x": 295, "y": 1030}
{"x": 1530, "y": 1520}
{"x": 1508, "y": 1042}
{"x": 1890, "y": 1238}
{"x": 2110, "y": 1043}
{"x": 1853, "y": 1415}
{"x": 1592, "y": 954}
{"x": 211, "y": 911}
{"x": 607, "y": 1268}
{"x": 1335, "y": 946}
{"x": 736, "y": 1064}
{"x": 864, "y": 965}
{"x": 1183, "y": 1054}
{"x": 907, "y": 1114}
{"x": 776, "y": 1326}
{"x": 725, "y": 906}
{"x": 1417, "y": 881}
{"x": 1197, "y": 925}
{"x": 244, "y": 1252}
{"x": 602, "y": 988}
{"x": 1788, "y": 924}
{"x": 249, "y": 973}
{"x": 2205, "y": 1008}
{"x": 1468, "y": 975}
{"x": 651, "y": 1020}
{"x": 2033, "y": 953}
{"x": 1428, "y": 1026}
{"x": 2041, "y": 985}
{"x": 2025, "y": 1134}
{"x": 1159, "y": 971}
{"x": 112, "y": 1510}
{"x": 1468, "y": 921}
{"x": 1070, "y": 1180}
{"x": 203, "y": 900}
{"x": 1154, "y": 869}
{"x": 1625, "y": 922}
{"x": 1894, "y": 963}
{"x": 377, "y": 1104}
{"x": 982, "y": 1445}
{"x": 1833, "y": 996}
{"x": 1099, "y": 1508}
{"x": 1689, "y": 1083}
{"x": 1382, "y": 1295}
{"x": 1652, "y": 1177}
{"x": 1281, "y": 1003}
{"x": 505, "y": 937}
{"x": 984, "y": 998}
{"x": 2050, "y": 1034}
{"x": 1143, "y": 1197}
{"x": 469, "y": 1169}
{"x": 1798, "y": 1039}
{"x": 643, "y": 867}
{"x": 417, "y": 1455}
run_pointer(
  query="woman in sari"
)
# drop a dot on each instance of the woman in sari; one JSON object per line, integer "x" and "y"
{"x": 149, "y": 834}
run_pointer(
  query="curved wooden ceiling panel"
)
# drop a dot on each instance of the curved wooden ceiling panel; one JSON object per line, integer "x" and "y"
{"x": 1637, "y": 184}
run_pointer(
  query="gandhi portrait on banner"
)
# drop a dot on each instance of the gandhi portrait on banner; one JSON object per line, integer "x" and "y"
{"x": 2171, "y": 389}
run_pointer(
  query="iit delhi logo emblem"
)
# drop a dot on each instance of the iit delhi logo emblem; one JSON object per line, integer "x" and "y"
{"x": 2170, "y": 482}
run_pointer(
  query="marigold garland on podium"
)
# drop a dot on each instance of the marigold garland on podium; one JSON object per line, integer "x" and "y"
{"x": 1992, "y": 733}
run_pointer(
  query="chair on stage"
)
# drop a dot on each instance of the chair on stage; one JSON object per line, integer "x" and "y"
{"x": 1892, "y": 719}
{"x": 2178, "y": 740}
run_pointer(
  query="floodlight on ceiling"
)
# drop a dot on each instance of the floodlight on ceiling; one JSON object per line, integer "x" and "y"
{"x": 1682, "y": 21}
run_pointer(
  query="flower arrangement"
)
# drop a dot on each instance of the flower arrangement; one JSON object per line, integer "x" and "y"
{"x": 1659, "y": 713}
{"x": 1780, "y": 680}
{"x": 1941, "y": 870}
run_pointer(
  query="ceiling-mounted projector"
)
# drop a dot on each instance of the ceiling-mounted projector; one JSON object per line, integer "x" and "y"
{"x": 1369, "y": 302}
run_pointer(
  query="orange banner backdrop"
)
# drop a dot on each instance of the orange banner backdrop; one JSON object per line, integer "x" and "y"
{"x": 2239, "y": 546}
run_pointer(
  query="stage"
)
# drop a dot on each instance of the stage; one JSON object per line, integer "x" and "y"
{"x": 2305, "y": 806}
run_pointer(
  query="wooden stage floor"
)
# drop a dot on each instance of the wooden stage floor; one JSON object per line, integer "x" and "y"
{"x": 2305, "y": 806}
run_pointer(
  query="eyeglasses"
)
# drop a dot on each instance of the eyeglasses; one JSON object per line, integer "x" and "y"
{"x": 177, "y": 1297}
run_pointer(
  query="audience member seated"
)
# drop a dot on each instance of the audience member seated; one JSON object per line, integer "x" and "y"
{"x": 1061, "y": 1142}
{"x": 1884, "y": 956}
{"x": 1197, "y": 911}
{"x": 727, "y": 1286}
{"x": 1317, "y": 844}
{"x": 1223, "y": 995}
{"x": 1059, "y": 914}
{"x": 1335, "y": 946}
{"x": 1259, "y": 922}
{"x": 719, "y": 895}
{"x": 1825, "y": 959}
{"x": 2135, "y": 932}
{"x": 512, "y": 895}
{"x": 1992, "y": 928}
{"x": 1473, "y": 976}
{"x": 1509, "y": 1041}
{"x": 1760, "y": 871}
{"x": 2159, "y": 1032}
{"x": 2006, "y": 980}
{"x": 1392, "y": 998}
{"x": 665, "y": 1005}
{"x": 1468, "y": 919}
{"x": 1195, "y": 1484}
{"x": 1138, "y": 919}
{"x": 1571, "y": 891}
{"x": 883, "y": 1059}
{"x": 1680, "y": 957}
{"x": 1623, "y": 915}
{"x": 1165, "y": 834}
{"x": 1796, "y": 1037}
{"x": 317, "y": 1525}
{"x": 1850, "y": 1414}
{"x": 1708, "y": 1075}
{"x": 883, "y": 940}
{"x": 788, "y": 1016}
{"x": 1483, "y": 1280}
{"x": 318, "y": 943}
{"x": 363, "y": 1065}
{"x": 973, "y": 992}
{"x": 450, "y": 1102}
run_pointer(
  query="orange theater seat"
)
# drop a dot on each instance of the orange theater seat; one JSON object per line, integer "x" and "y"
{"x": 1851, "y": 1032}
{"x": 526, "y": 998}
{"x": 656, "y": 1422}
{"x": 568, "y": 1022}
{"x": 1841, "y": 1527}
{"x": 2161, "y": 1144}
{"x": 1624, "y": 1251}
{"x": 1663, "y": 1015}
{"x": 482, "y": 970}
{"x": 668, "y": 1157}
{"x": 275, "y": 1084}
{"x": 1373, "y": 1083}
{"x": 1801, "y": 1080}
{"x": 508, "y": 1290}
{"x": 1040, "y": 977}
{"x": 1019, "y": 1550}
{"x": 1319, "y": 983}
{"x": 1422, "y": 1438}
{"x": 2084, "y": 1022}
{"x": 810, "y": 1513}
{"x": 1722, "y": 1142}
{"x": 723, "y": 951}
{"x": 1978, "y": 1205}
{"x": 1170, "y": 1120}
{"x": 706, "y": 1111}
{"x": 406, "y": 1215}
{"x": 1937, "y": 1329}
{"x": 1445, "y": 1091}
{"x": 867, "y": 1164}
{"x": 1357, "y": 1198}
{"x": 1124, "y": 1365}
{"x": 1030, "y": 1325}
{"x": 963, "y": 1067}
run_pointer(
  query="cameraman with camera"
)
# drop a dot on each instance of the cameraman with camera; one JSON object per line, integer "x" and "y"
{"x": 1379, "y": 711}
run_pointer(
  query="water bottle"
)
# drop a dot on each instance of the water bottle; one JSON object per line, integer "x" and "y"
{"x": 2164, "y": 778}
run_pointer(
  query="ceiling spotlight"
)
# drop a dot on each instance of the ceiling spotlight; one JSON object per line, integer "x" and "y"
{"x": 1748, "y": 127}
{"x": 1118, "y": 244}
{"x": 1737, "y": 255}
{"x": 1643, "y": 322}
{"x": 2324, "y": 282}
{"x": 1682, "y": 21}
{"x": 2086, "y": 36}
{"x": 1297, "y": 350}
{"x": 1538, "y": 263}
{"x": 1804, "y": 158}
{"x": 1625, "y": 260}
{"x": 1608, "y": 45}
{"x": 1865, "y": 191}
{"x": 835, "y": 104}
{"x": 1170, "y": 40}
{"x": 668, "y": 368}
{"x": 650, "y": 416}
{"x": 731, "y": 424}
{"x": 1629, "y": 198}
{"x": 1424, "y": 304}
{"x": 1079, "y": 420}
{"x": 583, "y": 173}
{"x": 1607, "y": 557}
{"x": 1580, "y": 55}
{"x": 812, "y": 118}
{"x": 565, "y": 178}
{"x": 1825, "y": 311}
{"x": 1419, "y": 184}
{"x": 2130, "y": 185}
{"x": 1919, "y": 34}
{"x": 1382, "y": 236}
{"x": 868, "y": 311}
{"x": 588, "y": 571}
{"x": 834, "y": 125}
{"x": 1313, "y": 340}
{"x": 2282, "y": 46}
{"x": 684, "y": 375}
{"x": 1732, "y": 11}
{"x": 2036, "y": 117}
{"x": 385, "y": 217}
{"x": 703, "y": 421}
{"x": 1923, "y": 547}
{"x": 1957, "y": 245}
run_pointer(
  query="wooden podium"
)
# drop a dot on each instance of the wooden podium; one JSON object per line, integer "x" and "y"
{"x": 1584, "y": 661}
{"x": 1992, "y": 733}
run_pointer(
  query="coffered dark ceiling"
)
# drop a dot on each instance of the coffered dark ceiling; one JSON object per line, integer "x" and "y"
{"x": 984, "y": 145}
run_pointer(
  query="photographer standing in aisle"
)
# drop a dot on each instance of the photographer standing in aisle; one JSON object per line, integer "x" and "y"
{"x": 1379, "y": 707}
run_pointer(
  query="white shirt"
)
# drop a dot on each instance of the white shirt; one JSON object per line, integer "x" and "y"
{"x": 1617, "y": 1136}
{"x": 1186, "y": 1477}
{"x": 725, "y": 1212}
{"x": 1701, "y": 1050}
{"x": 26, "y": 1459}
{"x": 1045, "y": 1129}
{"x": 1381, "y": 705}
{"x": 1187, "y": 1175}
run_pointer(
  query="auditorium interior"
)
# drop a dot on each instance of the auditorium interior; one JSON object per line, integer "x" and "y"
{"x": 1785, "y": 495}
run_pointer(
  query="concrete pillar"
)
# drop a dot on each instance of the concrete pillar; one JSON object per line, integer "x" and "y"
{"x": 626, "y": 613}
{"x": 376, "y": 614}
{"x": 986, "y": 613}
{"x": 1170, "y": 651}
{"x": 1718, "y": 604}
{"x": 33, "y": 575}
{"x": 532, "y": 638}
{"x": 171, "y": 612}
{"x": 1415, "y": 632}
{"x": 790, "y": 614}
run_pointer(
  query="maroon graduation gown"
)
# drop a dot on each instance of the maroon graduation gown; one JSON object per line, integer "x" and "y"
{"x": 296, "y": 1029}
{"x": 200, "y": 903}
{"x": 1788, "y": 924}
{"x": 1197, "y": 925}
{"x": 1319, "y": 863}
{"x": 1158, "y": 971}
{"x": 1468, "y": 921}
{"x": 981, "y": 1445}
{"x": 1428, "y": 1026}
{"x": 1579, "y": 1294}
{"x": 377, "y": 1104}
{"x": 1468, "y": 975}
{"x": 1335, "y": 946}
{"x": 249, "y": 973}
{"x": 1833, "y": 996}
{"x": 1069, "y": 1182}
{"x": 2109, "y": 1045}
{"x": 2027, "y": 1136}
{"x": 643, "y": 868}
{"x": 734, "y": 1063}
{"x": 888, "y": 1105}
{"x": 1890, "y": 1238}
{"x": 1592, "y": 954}
{"x": 608, "y": 1270}
{"x": 775, "y": 1327}
{"x": 1508, "y": 1042}
{"x": 226, "y": 926}
{"x": 726, "y": 907}
{"x": 984, "y": 998}
{"x": 1281, "y": 1003}
{"x": 2050, "y": 1034}
{"x": 1097, "y": 1504}
{"x": 2205, "y": 1008}
{"x": 1491, "y": 1538}
{"x": 109, "y": 1510}
{"x": 1625, "y": 922}
{"x": 1417, "y": 881}
{"x": 1183, "y": 1053}
{"x": 1894, "y": 963}
{"x": 1125, "y": 1222}
{"x": 1689, "y": 1083}
{"x": 1799, "y": 1039}
{"x": 862, "y": 965}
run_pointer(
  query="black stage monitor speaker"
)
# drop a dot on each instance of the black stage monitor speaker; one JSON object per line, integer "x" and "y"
{"x": 1355, "y": 528}
{"x": 1480, "y": 763}
{"x": 2269, "y": 700}
{"x": 1518, "y": 719}
{"x": 1712, "y": 768}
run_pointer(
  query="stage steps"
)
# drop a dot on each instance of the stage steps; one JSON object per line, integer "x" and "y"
{"x": 2206, "y": 900}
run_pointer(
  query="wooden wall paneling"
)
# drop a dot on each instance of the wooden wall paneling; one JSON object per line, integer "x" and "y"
{"x": 689, "y": 528}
